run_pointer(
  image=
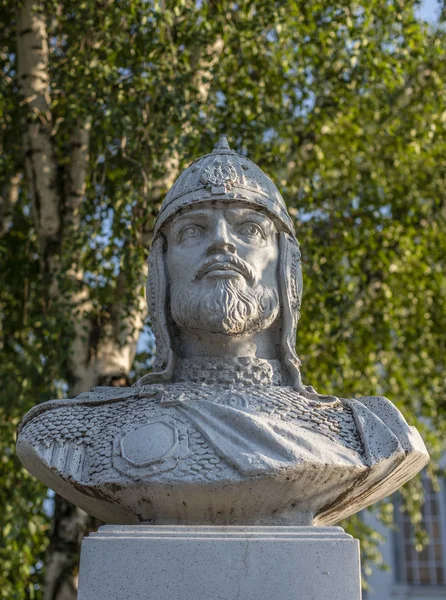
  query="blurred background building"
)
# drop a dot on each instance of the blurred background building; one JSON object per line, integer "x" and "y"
{"x": 413, "y": 575}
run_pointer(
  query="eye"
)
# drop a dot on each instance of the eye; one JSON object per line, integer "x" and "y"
{"x": 251, "y": 229}
{"x": 189, "y": 232}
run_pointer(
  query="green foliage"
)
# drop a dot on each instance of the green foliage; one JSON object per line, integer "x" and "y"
{"x": 23, "y": 523}
{"x": 29, "y": 373}
{"x": 342, "y": 104}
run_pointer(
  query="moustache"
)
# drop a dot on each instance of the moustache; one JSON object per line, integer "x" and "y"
{"x": 227, "y": 262}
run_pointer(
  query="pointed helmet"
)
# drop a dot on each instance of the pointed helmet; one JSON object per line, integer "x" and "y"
{"x": 225, "y": 176}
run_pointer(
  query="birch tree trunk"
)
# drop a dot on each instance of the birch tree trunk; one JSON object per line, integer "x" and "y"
{"x": 8, "y": 198}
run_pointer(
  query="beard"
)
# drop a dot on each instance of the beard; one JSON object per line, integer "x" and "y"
{"x": 225, "y": 307}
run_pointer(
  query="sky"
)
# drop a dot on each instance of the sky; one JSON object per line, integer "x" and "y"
{"x": 429, "y": 10}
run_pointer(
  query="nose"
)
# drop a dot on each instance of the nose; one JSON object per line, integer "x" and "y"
{"x": 221, "y": 239}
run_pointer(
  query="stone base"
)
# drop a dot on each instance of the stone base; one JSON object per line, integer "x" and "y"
{"x": 144, "y": 562}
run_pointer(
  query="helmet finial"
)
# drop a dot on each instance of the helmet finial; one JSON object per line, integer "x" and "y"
{"x": 222, "y": 144}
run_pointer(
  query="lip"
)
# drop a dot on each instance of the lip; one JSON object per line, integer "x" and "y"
{"x": 223, "y": 268}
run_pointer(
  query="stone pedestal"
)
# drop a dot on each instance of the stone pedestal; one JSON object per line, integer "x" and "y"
{"x": 219, "y": 563}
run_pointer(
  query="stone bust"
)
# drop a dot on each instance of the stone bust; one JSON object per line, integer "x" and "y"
{"x": 223, "y": 431}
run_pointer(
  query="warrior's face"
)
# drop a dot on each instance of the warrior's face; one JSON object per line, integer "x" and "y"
{"x": 222, "y": 265}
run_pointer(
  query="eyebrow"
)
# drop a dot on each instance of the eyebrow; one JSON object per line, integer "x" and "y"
{"x": 248, "y": 212}
{"x": 203, "y": 215}
{"x": 190, "y": 216}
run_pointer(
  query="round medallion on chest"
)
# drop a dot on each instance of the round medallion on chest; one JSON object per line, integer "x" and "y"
{"x": 233, "y": 399}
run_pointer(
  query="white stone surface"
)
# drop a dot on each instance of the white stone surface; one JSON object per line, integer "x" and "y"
{"x": 219, "y": 563}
